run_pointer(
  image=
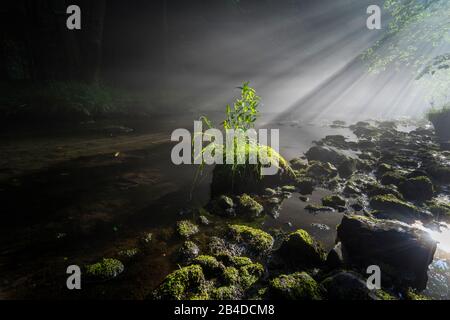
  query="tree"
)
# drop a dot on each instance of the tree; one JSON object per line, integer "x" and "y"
{"x": 417, "y": 37}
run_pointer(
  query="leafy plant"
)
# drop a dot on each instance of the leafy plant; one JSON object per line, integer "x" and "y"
{"x": 242, "y": 116}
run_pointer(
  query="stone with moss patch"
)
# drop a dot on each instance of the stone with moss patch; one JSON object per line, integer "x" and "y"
{"x": 417, "y": 188}
{"x": 258, "y": 241}
{"x": 301, "y": 249}
{"x": 333, "y": 201}
{"x": 250, "y": 274}
{"x": 296, "y": 286}
{"x": 227, "y": 293}
{"x": 209, "y": 264}
{"x": 186, "y": 228}
{"x": 105, "y": 270}
{"x": 230, "y": 275}
{"x": 393, "y": 177}
{"x": 249, "y": 207}
{"x": 390, "y": 204}
{"x": 180, "y": 283}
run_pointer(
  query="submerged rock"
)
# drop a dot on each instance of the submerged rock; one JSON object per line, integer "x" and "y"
{"x": 301, "y": 249}
{"x": 106, "y": 269}
{"x": 318, "y": 208}
{"x": 296, "y": 286}
{"x": 402, "y": 252}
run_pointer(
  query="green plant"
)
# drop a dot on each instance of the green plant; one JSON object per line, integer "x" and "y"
{"x": 242, "y": 117}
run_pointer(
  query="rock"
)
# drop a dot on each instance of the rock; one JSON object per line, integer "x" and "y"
{"x": 325, "y": 154}
{"x": 257, "y": 241}
{"x": 270, "y": 192}
{"x": 357, "y": 206}
{"x": 391, "y": 205}
{"x": 296, "y": 286}
{"x": 334, "y": 201}
{"x": 303, "y": 198}
{"x": 203, "y": 220}
{"x": 249, "y": 207}
{"x": 288, "y": 188}
{"x": 348, "y": 285}
{"x": 180, "y": 284}
{"x": 320, "y": 170}
{"x": 299, "y": 164}
{"x": 146, "y": 240}
{"x": 335, "y": 258}
{"x": 347, "y": 167}
{"x": 376, "y": 189}
{"x": 227, "y": 293}
{"x": 440, "y": 210}
{"x": 317, "y": 208}
{"x": 392, "y": 177}
{"x": 383, "y": 168}
{"x": 402, "y": 252}
{"x": 417, "y": 188}
{"x": 305, "y": 185}
{"x": 301, "y": 249}
{"x": 106, "y": 269}
{"x": 338, "y": 141}
{"x": 128, "y": 254}
{"x": 210, "y": 265}
{"x": 188, "y": 251}
{"x": 186, "y": 228}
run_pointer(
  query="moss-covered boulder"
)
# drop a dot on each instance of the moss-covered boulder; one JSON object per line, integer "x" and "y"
{"x": 231, "y": 292}
{"x": 440, "y": 210}
{"x": 334, "y": 201}
{"x": 188, "y": 251}
{"x": 325, "y": 154}
{"x": 392, "y": 177}
{"x": 391, "y": 205}
{"x": 186, "y": 228}
{"x": 249, "y": 207}
{"x": 417, "y": 188}
{"x": 301, "y": 249}
{"x": 304, "y": 185}
{"x": 104, "y": 270}
{"x": 250, "y": 274}
{"x": 321, "y": 170}
{"x": 181, "y": 284}
{"x": 210, "y": 265}
{"x": 256, "y": 240}
{"x": 299, "y": 164}
{"x": 296, "y": 286}
{"x": 222, "y": 206}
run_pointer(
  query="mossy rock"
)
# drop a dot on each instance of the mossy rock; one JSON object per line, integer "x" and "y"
{"x": 321, "y": 170}
{"x": 440, "y": 210}
{"x": 180, "y": 283}
{"x": 417, "y": 188}
{"x": 299, "y": 164}
{"x": 227, "y": 293}
{"x": 305, "y": 185}
{"x": 230, "y": 275}
{"x": 392, "y": 177}
{"x": 209, "y": 264}
{"x": 301, "y": 249}
{"x": 317, "y": 208}
{"x": 249, "y": 207}
{"x": 188, "y": 251}
{"x": 390, "y": 204}
{"x": 256, "y": 240}
{"x": 104, "y": 270}
{"x": 296, "y": 286}
{"x": 186, "y": 228}
{"x": 333, "y": 201}
{"x": 128, "y": 254}
{"x": 250, "y": 274}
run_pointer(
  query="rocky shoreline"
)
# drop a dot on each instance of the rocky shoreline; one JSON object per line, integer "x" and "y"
{"x": 384, "y": 181}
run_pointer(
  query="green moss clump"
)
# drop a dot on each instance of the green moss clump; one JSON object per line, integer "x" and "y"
{"x": 333, "y": 201}
{"x": 186, "y": 228}
{"x": 240, "y": 261}
{"x": 297, "y": 286}
{"x": 383, "y": 295}
{"x": 105, "y": 270}
{"x": 230, "y": 275}
{"x": 226, "y": 293}
{"x": 257, "y": 240}
{"x": 392, "y": 177}
{"x": 250, "y": 274}
{"x": 410, "y": 294}
{"x": 129, "y": 253}
{"x": 209, "y": 264}
{"x": 440, "y": 210}
{"x": 249, "y": 206}
{"x": 391, "y": 204}
{"x": 301, "y": 249}
{"x": 179, "y": 283}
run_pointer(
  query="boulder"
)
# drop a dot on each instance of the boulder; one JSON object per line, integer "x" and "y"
{"x": 296, "y": 286}
{"x": 325, "y": 154}
{"x": 417, "y": 188}
{"x": 249, "y": 207}
{"x": 334, "y": 201}
{"x": 301, "y": 249}
{"x": 402, "y": 252}
{"x": 256, "y": 241}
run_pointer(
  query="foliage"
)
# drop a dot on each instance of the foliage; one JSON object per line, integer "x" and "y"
{"x": 418, "y": 30}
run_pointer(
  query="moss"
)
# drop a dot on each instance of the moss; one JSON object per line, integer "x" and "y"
{"x": 392, "y": 204}
{"x": 383, "y": 295}
{"x": 230, "y": 275}
{"x": 250, "y": 207}
{"x": 186, "y": 228}
{"x": 105, "y": 270}
{"x": 301, "y": 249}
{"x": 333, "y": 201}
{"x": 177, "y": 284}
{"x": 250, "y": 274}
{"x": 226, "y": 293}
{"x": 297, "y": 286}
{"x": 319, "y": 169}
{"x": 288, "y": 188}
{"x": 257, "y": 240}
{"x": 392, "y": 177}
{"x": 417, "y": 188}
{"x": 129, "y": 253}
{"x": 209, "y": 264}
{"x": 440, "y": 210}
{"x": 411, "y": 294}
{"x": 240, "y": 261}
